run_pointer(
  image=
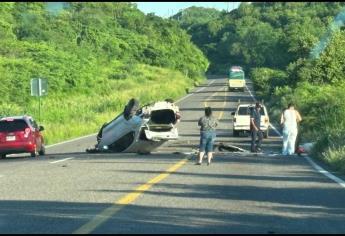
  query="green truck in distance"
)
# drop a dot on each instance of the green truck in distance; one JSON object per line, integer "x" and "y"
{"x": 236, "y": 79}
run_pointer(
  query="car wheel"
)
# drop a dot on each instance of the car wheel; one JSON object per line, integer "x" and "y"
{"x": 235, "y": 133}
{"x": 3, "y": 156}
{"x": 42, "y": 152}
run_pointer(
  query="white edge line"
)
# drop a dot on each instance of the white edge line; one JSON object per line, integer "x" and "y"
{"x": 325, "y": 172}
{"x": 68, "y": 141}
{"x": 319, "y": 168}
{"x": 311, "y": 162}
{"x": 274, "y": 128}
{"x": 195, "y": 92}
{"x": 250, "y": 93}
{"x": 53, "y": 162}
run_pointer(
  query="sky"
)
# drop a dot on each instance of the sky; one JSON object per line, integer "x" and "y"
{"x": 167, "y": 9}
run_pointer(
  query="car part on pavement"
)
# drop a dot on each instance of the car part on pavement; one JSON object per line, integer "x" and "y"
{"x": 305, "y": 148}
{"x": 229, "y": 148}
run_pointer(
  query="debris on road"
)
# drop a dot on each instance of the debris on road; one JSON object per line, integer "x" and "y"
{"x": 305, "y": 148}
{"x": 229, "y": 148}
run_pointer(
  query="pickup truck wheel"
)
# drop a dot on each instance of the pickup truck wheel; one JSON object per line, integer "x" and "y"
{"x": 42, "y": 152}
{"x": 235, "y": 133}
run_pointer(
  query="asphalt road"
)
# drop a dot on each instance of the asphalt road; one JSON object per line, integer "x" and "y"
{"x": 70, "y": 191}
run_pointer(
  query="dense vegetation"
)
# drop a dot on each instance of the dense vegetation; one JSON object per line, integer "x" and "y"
{"x": 95, "y": 57}
{"x": 196, "y": 16}
{"x": 293, "y": 51}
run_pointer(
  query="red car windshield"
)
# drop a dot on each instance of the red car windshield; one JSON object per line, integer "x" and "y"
{"x": 13, "y": 126}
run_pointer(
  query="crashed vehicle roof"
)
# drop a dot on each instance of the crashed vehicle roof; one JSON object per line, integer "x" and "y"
{"x": 140, "y": 129}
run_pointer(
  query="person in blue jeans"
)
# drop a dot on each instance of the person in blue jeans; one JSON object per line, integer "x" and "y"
{"x": 208, "y": 126}
{"x": 255, "y": 130}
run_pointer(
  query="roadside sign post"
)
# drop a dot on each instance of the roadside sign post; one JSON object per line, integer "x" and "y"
{"x": 39, "y": 87}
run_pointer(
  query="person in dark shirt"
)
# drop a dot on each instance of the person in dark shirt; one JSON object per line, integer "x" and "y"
{"x": 255, "y": 120}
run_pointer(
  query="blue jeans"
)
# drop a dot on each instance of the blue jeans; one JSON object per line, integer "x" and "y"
{"x": 207, "y": 139}
{"x": 255, "y": 134}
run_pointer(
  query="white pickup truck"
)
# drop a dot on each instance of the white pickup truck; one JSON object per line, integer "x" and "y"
{"x": 242, "y": 119}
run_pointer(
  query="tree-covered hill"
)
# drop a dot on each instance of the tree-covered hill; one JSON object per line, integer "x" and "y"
{"x": 194, "y": 16}
{"x": 95, "y": 57}
{"x": 293, "y": 52}
{"x": 261, "y": 34}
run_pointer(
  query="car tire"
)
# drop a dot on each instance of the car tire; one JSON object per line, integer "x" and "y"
{"x": 235, "y": 133}
{"x": 3, "y": 156}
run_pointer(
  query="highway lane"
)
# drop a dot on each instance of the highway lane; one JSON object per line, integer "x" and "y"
{"x": 70, "y": 191}
{"x": 223, "y": 103}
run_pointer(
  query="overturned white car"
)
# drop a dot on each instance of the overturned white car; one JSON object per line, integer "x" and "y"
{"x": 139, "y": 130}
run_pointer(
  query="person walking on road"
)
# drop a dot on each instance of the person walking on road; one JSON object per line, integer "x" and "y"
{"x": 255, "y": 120}
{"x": 208, "y": 126}
{"x": 289, "y": 120}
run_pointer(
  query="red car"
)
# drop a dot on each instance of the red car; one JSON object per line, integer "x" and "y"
{"x": 19, "y": 134}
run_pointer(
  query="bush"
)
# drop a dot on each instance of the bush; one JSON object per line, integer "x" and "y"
{"x": 335, "y": 157}
{"x": 266, "y": 80}
{"x": 330, "y": 148}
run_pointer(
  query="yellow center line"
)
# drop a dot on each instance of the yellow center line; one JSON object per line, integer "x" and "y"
{"x": 224, "y": 103}
{"x": 209, "y": 97}
{"x": 127, "y": 199}
{"x": 131, "y": 197}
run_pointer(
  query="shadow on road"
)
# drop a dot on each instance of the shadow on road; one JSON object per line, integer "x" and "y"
{"x": 275, "y": 209}
{"x": 55, "y": 217}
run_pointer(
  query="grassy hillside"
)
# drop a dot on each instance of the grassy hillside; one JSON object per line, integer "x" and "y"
{"x": 73, "y": 115}
{"x": 95, "y": 57}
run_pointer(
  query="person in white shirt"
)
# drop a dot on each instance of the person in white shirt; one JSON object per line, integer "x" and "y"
{"x": 289, "y": 120}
